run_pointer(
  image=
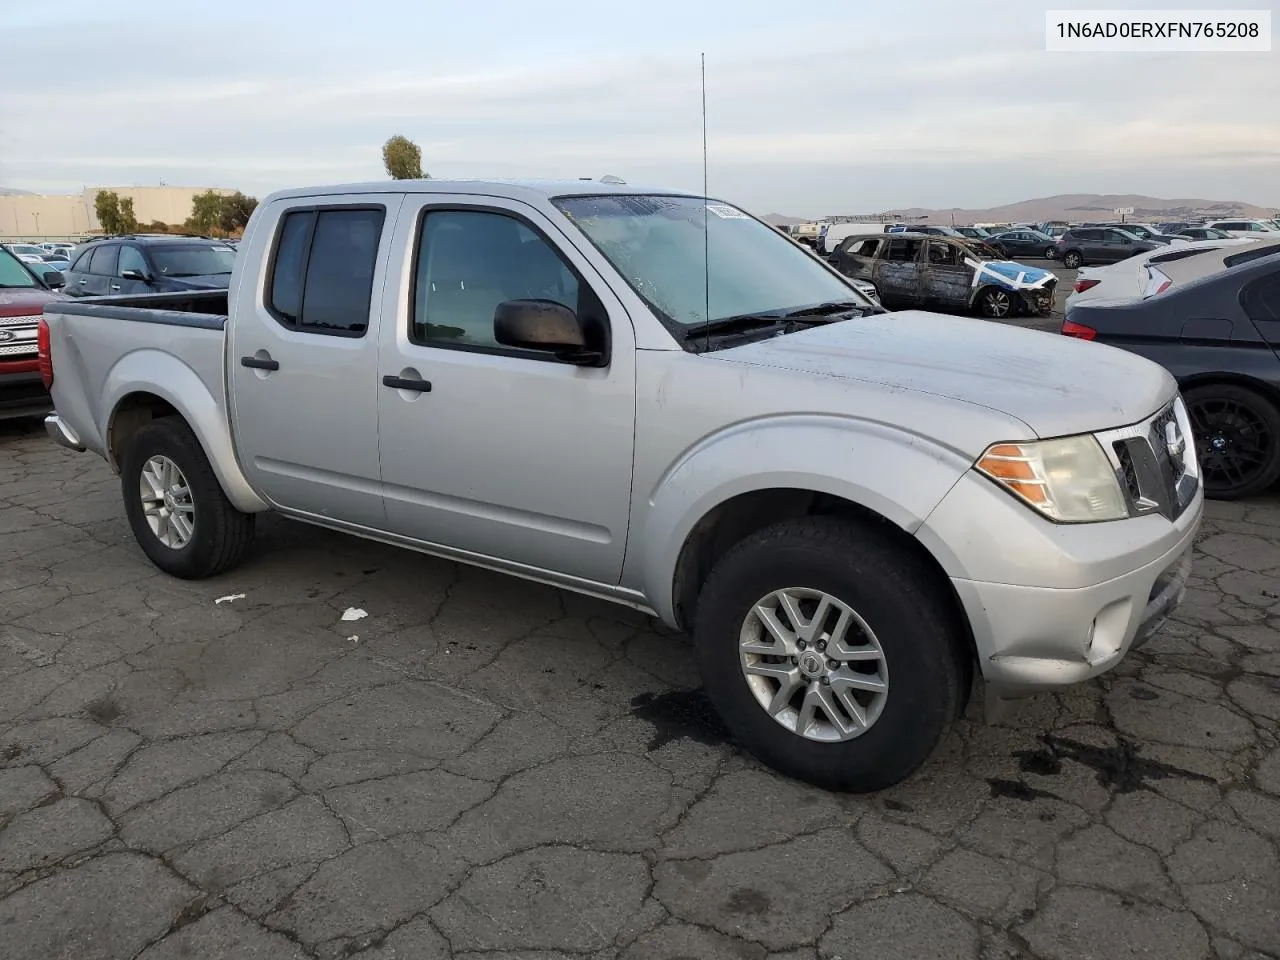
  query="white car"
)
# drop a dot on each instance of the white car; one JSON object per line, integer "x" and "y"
{"x": 1147, "y": 274}
{"x": 26, "y": 252}
{"x": 1245, "y": 228}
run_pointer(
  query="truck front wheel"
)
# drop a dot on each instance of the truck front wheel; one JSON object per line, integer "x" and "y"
{"x": 831, "y": 653}
{"x": 176, "y": 508}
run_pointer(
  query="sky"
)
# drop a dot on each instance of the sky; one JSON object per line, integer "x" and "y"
{"x": 813, "y": 108}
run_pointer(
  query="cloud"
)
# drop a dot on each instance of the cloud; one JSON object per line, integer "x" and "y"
{"x": 809, "y": 111}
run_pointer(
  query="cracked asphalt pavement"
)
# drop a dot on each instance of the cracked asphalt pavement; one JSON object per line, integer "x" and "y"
{"x": 489, "y": 768}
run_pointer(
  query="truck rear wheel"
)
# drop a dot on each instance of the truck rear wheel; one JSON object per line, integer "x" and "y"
{"x": 176, "y": 508}
{"x": 831, "y": 653}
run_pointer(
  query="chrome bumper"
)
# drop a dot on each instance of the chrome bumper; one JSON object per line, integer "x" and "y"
{"x": 62, "y": 434}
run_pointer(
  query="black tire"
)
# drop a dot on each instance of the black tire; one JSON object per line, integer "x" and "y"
{"x": 1237, "y": 438}
{"x": 1049, "y": 252}
{"x": 928, "y": 663}
{"x": 996, "y": 304}
{"x": 220, "y": 534}
{"x": 1072, "y": 260}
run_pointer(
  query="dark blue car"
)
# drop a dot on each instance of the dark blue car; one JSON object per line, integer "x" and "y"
{"x": 160, "y": 263}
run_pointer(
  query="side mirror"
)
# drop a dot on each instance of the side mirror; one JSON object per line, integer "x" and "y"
{"x": 53, "y": 279}
{"x": 134, "y": 275}
{"x": 543, "y": 325}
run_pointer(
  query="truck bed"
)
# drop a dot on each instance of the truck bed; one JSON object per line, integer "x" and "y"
{"x": 105, "y": 349}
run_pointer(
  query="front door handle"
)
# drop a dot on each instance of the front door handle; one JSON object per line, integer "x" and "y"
{"x": 260, "y": 363}
{"x": 400, "y": 383}
{"x": 115, "y": 286}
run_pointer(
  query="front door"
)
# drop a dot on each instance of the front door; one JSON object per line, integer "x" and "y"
{"x": 946, "y": 278}
{"x": 303, "y": 356}
{"x": 897, "y": 276}
{"x": 500, "y": 452}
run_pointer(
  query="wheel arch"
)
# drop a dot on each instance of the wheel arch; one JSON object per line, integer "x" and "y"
{"x": 148, "y": 384}
{"x": 1270, "y": 391}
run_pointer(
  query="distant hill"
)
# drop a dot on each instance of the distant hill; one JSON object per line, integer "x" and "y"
{"x": 9, "y": 191}
{"x": 1087, "y": 206}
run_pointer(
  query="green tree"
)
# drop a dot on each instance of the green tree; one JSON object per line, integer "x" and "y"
{"x": 107, "y": 207}
{"x": 403, "y": 159}
{"x": 128, "y": 223}
{"x": 236, "y": 210}
{"x": 206, "y": 212}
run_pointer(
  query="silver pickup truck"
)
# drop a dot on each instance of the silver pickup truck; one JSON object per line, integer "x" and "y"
{"x": 657, "y": 399}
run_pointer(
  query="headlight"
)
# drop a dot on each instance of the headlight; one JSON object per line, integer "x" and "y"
{"x": 1069, "y": 480}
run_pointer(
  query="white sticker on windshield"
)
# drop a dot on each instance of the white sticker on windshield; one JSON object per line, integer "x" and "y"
{"x": 222, "y": 249}
{"x": 726, "y": 212}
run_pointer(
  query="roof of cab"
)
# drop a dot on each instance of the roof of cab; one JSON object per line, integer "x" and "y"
{"x": 527, "y": 190}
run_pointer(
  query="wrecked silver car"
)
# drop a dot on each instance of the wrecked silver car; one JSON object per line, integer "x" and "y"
{"x": 944, "y": 273}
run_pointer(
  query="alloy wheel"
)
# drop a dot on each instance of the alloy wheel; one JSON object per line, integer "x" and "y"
{"x": 813, "y": 664}
{"x": 167, "y": 504}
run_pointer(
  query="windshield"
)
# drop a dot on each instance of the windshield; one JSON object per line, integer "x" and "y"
{"x": 194, "y": 260}
{"x": 26, "y": 249}
{"x": 659, "y": 245}
{"x": 13, "y": 273}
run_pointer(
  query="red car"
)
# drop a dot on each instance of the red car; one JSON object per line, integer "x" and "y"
{"x": 23, "y": 295}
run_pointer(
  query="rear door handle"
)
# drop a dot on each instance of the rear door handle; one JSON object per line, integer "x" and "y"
{"x": 400, "y": 383}
{"x": 115, "y": 286}
{"x": 260, "y": 363}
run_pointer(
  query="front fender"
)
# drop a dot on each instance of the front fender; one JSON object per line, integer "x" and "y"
{"x": 899, "y": 475}
{"x": 165, "y": 376}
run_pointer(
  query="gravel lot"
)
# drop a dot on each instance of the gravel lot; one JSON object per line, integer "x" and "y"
{"x": 485, "y": 767}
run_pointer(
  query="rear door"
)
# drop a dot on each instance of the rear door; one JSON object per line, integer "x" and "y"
{"x": 97, "y": 280}
{"x": 303, "y": 355}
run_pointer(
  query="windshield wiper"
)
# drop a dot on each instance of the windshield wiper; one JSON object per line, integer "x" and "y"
{"x": 769, "y": 318}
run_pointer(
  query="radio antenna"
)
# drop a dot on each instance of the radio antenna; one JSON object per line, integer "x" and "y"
{"x": 706, "y": 237}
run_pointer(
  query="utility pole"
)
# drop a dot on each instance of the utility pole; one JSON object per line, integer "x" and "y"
{"x": 36, "y": 216}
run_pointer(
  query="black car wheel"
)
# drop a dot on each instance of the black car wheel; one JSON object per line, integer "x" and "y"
{"x": 1237, "y": 436}
{"x": 1049, "y": 252}
{"x": 995, "y": 303}
{"x": 1072, "y": 260}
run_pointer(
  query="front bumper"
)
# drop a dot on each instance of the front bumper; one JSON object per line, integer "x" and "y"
{"x": 1039, "y": 302}
{"x": 1032, "y": 639}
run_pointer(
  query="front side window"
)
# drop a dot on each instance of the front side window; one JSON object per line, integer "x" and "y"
{"x": 468, "y": 262}
{"x": 131, "y": 259}
{"x": 943, "y": 254}
{"x": 903, "y": 251}
{"x": 322, "y": 271}
{"x": 680, "y": 254}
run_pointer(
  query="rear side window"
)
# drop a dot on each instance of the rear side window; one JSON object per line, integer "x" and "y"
{"x": 104, "y": 260}
{"x": 1087, "y": 235}
{"x": 867, "y": 248}
{"x": 82, "y": 262}
{"x": 1261, "y": 299}
{"x": 322, "y": 271}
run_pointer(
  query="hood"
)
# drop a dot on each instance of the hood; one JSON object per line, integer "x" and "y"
{"x": 211, "y": 282}
{"x": 21, "y": 302}
{"x": 1056, "y": 385}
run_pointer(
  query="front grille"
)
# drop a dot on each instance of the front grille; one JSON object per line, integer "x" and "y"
{"x": 30, "y": 321}
{"x": 1155, "y": 462}
{"x": 18, "y": 349}
{"x": 1127, "y": 469}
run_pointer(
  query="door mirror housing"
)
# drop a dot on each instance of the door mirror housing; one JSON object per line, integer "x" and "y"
{"x": 545, "y": 326}
{"x": 53, "y": 279}
{"x": 134, "y": 275}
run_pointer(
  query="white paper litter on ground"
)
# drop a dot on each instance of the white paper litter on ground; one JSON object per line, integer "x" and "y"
{"x": 229, "y": 598}
{"x": 353, "y": 613}
{"x": 354, "y": 638}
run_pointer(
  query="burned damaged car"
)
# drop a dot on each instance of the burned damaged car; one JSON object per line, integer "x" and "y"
{"x": 944, "y": 273}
